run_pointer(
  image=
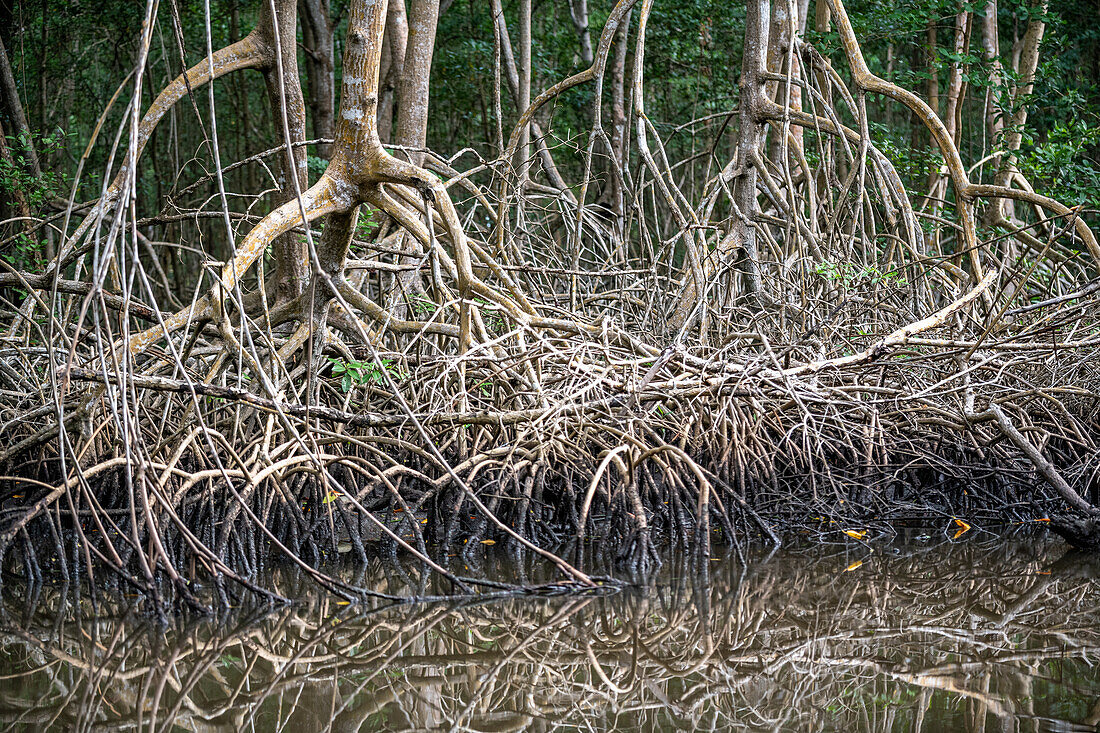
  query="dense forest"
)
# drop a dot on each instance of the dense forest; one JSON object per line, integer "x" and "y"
{"x": 287, "y": 281}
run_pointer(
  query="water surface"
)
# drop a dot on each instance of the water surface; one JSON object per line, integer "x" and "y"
{"x": 925, "y": 632}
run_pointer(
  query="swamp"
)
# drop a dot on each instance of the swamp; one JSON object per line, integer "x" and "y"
{"x": 499, "y": 365}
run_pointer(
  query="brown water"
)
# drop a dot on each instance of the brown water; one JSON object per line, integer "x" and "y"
{"x": 928, "y": 633}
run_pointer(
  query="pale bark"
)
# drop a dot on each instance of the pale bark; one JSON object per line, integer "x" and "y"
{"x": 955, "y": 84}
{"x": 578, "y": 11}
{"x": 991, "y": 52}
{"x": 523, "y": 154}
{"x": 937, "y": 185}
{"x": 1028, "y": 63}
{"x": 412, "y": 98}
{"x": 413, "y": 85}
{"x": 392, "y": 67}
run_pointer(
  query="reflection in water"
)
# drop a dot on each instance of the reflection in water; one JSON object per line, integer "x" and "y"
{"x": 977, "y": 635}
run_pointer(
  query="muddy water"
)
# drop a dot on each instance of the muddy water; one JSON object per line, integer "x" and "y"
{"x": 924, "y": 633}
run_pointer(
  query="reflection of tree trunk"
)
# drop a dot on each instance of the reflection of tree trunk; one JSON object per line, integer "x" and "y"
{"x": 317, "y": 32}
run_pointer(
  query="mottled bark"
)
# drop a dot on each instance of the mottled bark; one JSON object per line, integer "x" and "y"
{"x": 617, "y": 163}
{"x": 750, "y": 137}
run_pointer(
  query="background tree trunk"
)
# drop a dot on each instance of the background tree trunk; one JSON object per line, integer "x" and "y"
{"x": 393, "y": 65}
{"x": 317, "y": 33}
{"x": 13, "y": 108}
{"x": 578, "y": 11}
{"x": 288, "y": 251}
{"x": 414, "y": 81}
{"x": 412, "y": 98}
{"x": 749, "y": 139}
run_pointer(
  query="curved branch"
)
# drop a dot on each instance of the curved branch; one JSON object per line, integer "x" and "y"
{"x": 323, "y": 198}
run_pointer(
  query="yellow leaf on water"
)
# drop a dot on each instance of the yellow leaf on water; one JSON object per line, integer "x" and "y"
{"x": 962, "y": 525}
{"x": 854, "y": 534}
{"x": 488, "y": 542}
{"x": 853, "y": 566}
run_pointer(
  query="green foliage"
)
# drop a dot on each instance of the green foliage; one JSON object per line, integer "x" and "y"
{"x": 358, "y": 373}
{"x": 423, "y": 307}
{"x": 316, "y": 166}
{"x": 15, "y": 176}
{"x": 849, "y": 274}
{"x": 368, "y": 222}
{"x": 1060, "y": 165}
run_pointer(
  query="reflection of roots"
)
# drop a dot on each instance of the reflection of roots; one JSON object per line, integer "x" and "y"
{"x": 784, "y": 639}
{"x": 852, "y": 370}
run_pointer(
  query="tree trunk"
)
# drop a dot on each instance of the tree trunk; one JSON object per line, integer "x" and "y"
{"x": 13, "y": 107}
{"x": 1028, "y": 63}
{"x": 284, "y": 85}
{"x": 578, "y": 11}
{"x": 413, "y": 84}
{"x": 523, "y": 154}
{"x": 933, "y": 69}
{"x": 393, "y": 65}
{"x": 614, "y": 189}
{"x": 413, "y": 88}
{"x": 955, "y": 83}
{"x": 317, "y": 32}
{"x": 750, "y": 137}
